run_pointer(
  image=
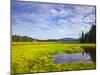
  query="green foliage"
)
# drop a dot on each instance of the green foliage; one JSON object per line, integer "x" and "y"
{"x": 82, "y": 39}
{"x": 17, "y": 38}
{"x": 89, "y": 37}
{"x": 28, "y": 57}
{"x": 92, "y": 34}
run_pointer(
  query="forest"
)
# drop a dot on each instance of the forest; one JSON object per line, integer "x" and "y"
{"x": 89, "y": 37}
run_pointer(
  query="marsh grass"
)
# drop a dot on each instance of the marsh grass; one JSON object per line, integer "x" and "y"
{"x": 33, "y": 57}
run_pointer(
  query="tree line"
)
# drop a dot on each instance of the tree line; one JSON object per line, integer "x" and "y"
{"x": 89, "y": 37}
{"x": 18, "y": 38}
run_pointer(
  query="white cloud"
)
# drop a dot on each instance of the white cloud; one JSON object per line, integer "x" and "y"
{"x": 60, "y": 13}
{"x": 89, "y": 18}
{"x": 50, "y": 21}
{"x": 84, "y": 9}
{"x": 53, "y": 11}
{"x": 77, "y": 19}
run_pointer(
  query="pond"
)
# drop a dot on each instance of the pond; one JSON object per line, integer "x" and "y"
{"x": 88, "y": 55}
{"x": 67, "y": 58}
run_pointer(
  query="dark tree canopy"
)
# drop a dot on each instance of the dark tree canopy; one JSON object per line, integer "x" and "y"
{"x": 89, "y": 37}
{"x": 82, "y": 38}
{"x": 17, "y": 38}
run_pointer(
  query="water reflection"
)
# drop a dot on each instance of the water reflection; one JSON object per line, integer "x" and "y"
{"x": 91, "y": 51}
{"x": 88, "y": 55}
{"x": 63, "y": 58}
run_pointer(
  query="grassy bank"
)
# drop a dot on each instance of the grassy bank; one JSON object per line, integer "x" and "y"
{"x": 34, "y": 57}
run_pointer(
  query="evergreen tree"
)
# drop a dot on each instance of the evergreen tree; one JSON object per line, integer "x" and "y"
{"x": 89, "y": 37}
{"x": 17, "y": 38}
{"x": 82, "y": 38}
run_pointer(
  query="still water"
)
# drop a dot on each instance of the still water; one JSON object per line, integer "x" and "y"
{"x": 68, "y": 58}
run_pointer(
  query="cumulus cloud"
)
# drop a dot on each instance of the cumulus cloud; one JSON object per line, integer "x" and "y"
{"x": 77, "y": 19}
{"x": 89, "y": 18}
{"x": 50, "y": 21}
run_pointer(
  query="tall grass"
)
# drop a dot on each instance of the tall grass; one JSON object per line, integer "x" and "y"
{"x": 31, "y": 57}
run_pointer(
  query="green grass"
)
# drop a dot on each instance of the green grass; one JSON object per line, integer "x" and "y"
{"x": 34, "y": 57}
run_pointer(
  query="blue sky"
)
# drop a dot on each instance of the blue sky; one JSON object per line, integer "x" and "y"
{"x": 51, "y": 21}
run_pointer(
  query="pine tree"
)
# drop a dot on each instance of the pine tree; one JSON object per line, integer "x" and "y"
{"x": 89, "y": 37}
{"x": 82, "y": 38}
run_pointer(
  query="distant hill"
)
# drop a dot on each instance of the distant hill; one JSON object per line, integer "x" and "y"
{"x": 67, "y": 39}
{"x": 18, "y": 38}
